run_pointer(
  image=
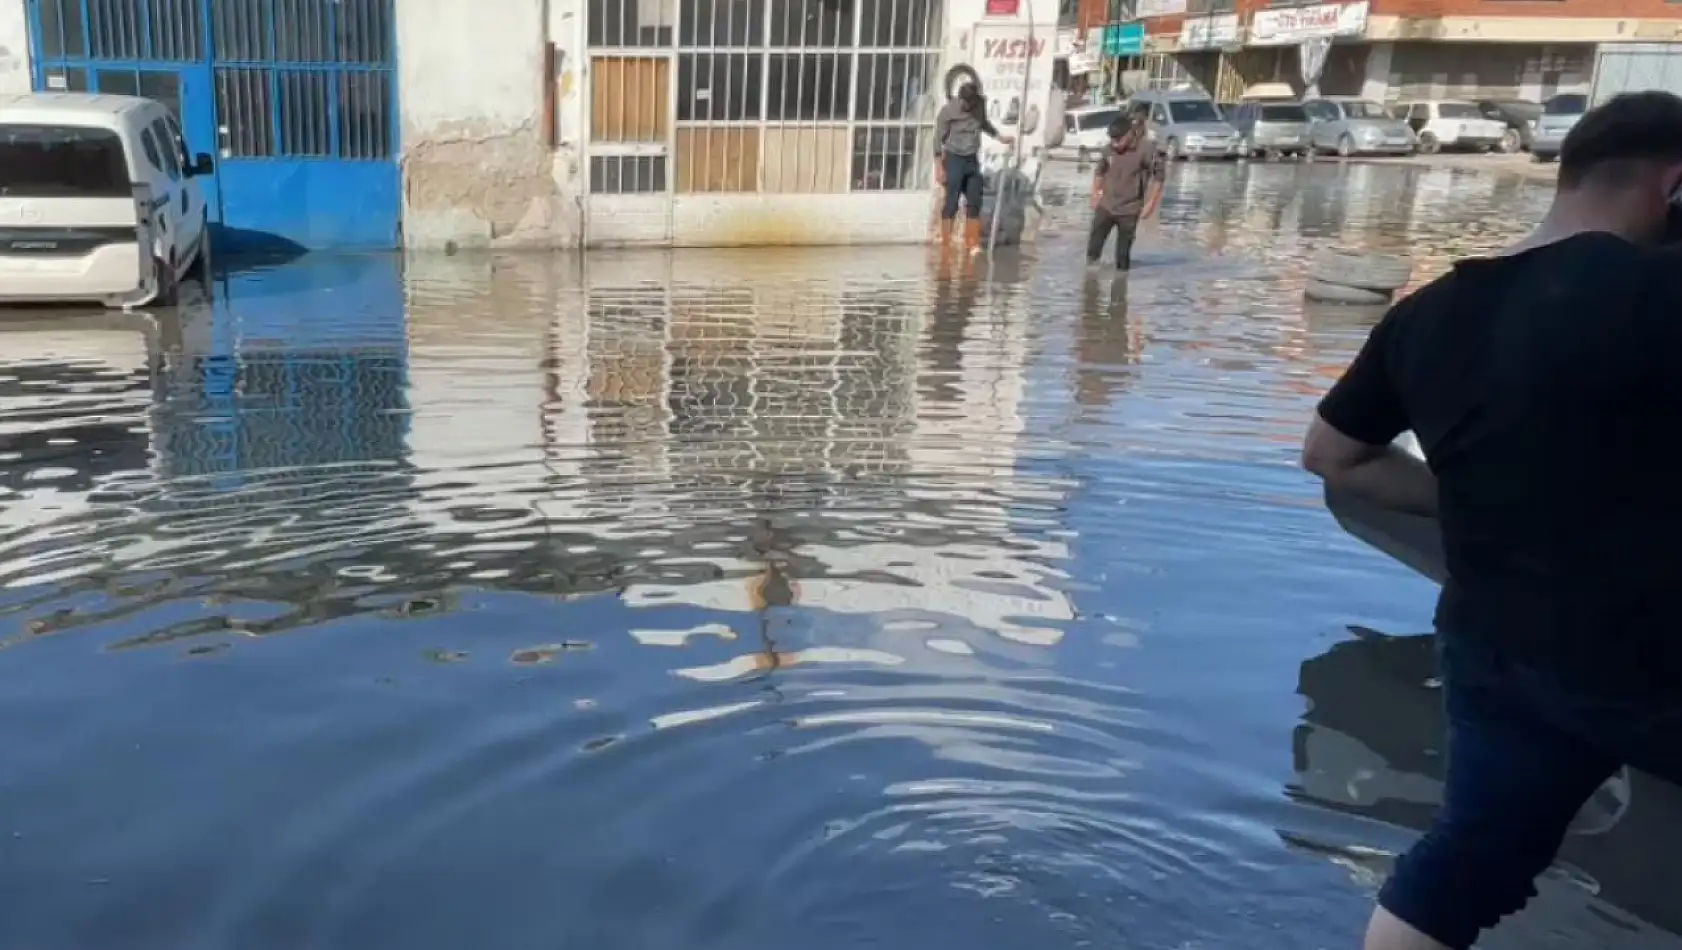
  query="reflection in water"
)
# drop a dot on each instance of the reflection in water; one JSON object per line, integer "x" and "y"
{"x": 700, "y": 599}
{"x": 1371, "y": 744}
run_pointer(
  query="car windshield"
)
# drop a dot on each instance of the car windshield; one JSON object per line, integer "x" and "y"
{"x": 55, "y": 161}
{"x": 1362, "y": 109}
{"x": 1458, "y": 110}
{"x": 1088, "y": 121}
{"x": 1566, "y": 105}
{"x": 1292, "y": 113}
{"x": 1193, "y": 110}
{"x": 1523, "y": 108}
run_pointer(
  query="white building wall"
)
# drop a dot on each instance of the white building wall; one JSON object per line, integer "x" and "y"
{"x": 478, "y": 170}
{"x": 14, "y": 47}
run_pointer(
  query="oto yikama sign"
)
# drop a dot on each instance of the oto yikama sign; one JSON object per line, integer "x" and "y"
{"x": 1284, "y": 27}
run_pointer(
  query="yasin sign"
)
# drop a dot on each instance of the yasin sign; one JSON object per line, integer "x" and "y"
{"x": 1014, "y": 65}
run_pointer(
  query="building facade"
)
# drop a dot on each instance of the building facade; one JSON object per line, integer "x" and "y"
{"x": 552, "y": 123}
{"x": 1396, "y": 49}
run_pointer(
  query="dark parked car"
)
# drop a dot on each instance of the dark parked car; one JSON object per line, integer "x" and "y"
{"x": 1520, "y": 115}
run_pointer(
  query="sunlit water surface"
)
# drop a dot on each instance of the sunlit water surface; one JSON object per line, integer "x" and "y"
{"x": 746, "y": 599}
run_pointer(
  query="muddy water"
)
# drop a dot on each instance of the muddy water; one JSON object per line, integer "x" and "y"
{"x": 712, "y": 599}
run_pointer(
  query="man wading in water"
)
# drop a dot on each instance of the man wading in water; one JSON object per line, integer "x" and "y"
{"x": 1544, "y": 386}
{"x": 1126, "y": 188}
{"x": 957, "y": 141}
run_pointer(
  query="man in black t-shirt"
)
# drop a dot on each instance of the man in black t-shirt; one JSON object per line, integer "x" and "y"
{"x": 1545, "y": 387}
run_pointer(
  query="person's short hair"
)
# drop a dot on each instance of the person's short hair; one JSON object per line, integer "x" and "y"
{"x": 1120, "y": 126}
{"x": 1627, "y": 130}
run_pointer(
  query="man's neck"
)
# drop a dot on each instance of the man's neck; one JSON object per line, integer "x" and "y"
{"x": 1566, "y": 220}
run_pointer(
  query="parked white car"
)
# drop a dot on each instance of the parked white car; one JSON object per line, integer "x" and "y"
{"x": 99, "y": 200}
{"x": 1086, "y": 130}
{"x": 1451, "y": 124}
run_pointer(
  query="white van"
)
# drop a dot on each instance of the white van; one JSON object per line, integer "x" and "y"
{"x": 99, "y": 200}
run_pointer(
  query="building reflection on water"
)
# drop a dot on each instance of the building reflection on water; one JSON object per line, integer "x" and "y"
{"x": 647, "y": 426}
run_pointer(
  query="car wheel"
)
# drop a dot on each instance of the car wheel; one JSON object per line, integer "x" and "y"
{"x": 1428, "y": 144}
{"x": 200, "y": 266}
{"x": 1511, "y": 142}
{"x": 168, "y": 288}
{"x": 1346, "y": 146}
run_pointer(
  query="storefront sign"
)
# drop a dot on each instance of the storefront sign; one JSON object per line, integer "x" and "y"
{"x": 1209, "y": 32}
{"x": 1150, "y": 8}
{"x": 1004, "y": 7}
{"x": 1014, "y": 64}
{"x": 1285, "y": 26}
{"x": 1124, "y": 39}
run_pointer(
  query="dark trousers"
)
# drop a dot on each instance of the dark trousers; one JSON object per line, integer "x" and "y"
{"x": 1125, "y": 228}
{"x": 1524, "y": 754}
{"x": 963, "y": 181}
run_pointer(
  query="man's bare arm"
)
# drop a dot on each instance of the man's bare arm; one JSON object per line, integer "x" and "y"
{"x": 1385, "y": 475}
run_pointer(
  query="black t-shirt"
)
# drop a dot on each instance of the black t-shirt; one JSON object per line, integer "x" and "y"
{"x": 1546, "y": 390}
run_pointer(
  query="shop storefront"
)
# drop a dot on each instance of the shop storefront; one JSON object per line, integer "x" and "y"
{"x": 1311, "y": 46}
{"x": 1124, "y": 56}
{"x": 1204, "y": 44}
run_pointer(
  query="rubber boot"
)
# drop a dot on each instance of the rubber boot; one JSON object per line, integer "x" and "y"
{"x": 945, "y": 239}
{"x": 972, "y": 235}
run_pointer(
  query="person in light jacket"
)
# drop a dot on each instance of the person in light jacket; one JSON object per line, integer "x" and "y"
{"x": 957, "y": 141}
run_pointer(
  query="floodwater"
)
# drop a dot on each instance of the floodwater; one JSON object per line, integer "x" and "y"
{"x": 735, "y": 599}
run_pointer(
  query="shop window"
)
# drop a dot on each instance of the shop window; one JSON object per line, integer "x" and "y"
{"x": 722, "y": 22}
{"x": 627, "y": 174}
{"x": 633, "y": 23}
{"x": 891, "y": 23}
{"x": 892, "y": 158}
{"x": 891, "y": 85}
{"x": 808, "y": 86}
{"x": 800, "y": 23}
{"x": 719, "y": 87}
{"x": 246, "y": 109}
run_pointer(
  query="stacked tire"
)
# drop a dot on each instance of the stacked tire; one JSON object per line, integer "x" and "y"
{"x": 1346, "y": 277}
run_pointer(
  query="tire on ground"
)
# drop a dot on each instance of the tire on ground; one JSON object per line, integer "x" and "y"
{"x": 1323, "y": 292}
{"x": 1382, "y": 272}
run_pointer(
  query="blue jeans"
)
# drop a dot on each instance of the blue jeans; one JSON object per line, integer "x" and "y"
{"x": 1524, "y": 754}
{"x": 963, "y": 180}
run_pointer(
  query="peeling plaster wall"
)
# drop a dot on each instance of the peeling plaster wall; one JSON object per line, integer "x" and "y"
{"x": 566, "y": 31}
{"x": 477, "y": 171}
{"x": 14, "y": 47}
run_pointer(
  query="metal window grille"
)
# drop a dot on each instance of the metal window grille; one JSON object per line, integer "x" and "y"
{"x": 305, "y": 78}
{"x": 300, "y": 78}
{"x": 793, "y": 96}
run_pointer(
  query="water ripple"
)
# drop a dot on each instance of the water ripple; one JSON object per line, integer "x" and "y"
{"x": 852, "y": 597}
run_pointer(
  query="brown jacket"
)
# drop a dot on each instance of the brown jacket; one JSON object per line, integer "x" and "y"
{"x": 1123, "y": 177}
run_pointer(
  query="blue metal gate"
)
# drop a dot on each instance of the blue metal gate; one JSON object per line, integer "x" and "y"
{"x": 296, "y": 97}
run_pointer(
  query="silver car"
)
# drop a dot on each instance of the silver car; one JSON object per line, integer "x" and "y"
{"x": 1559, "y": 114}
{"x": 1188, "y": 125}
{"x": 1350, "y": 125}
{"x": 1277, "y": 128}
